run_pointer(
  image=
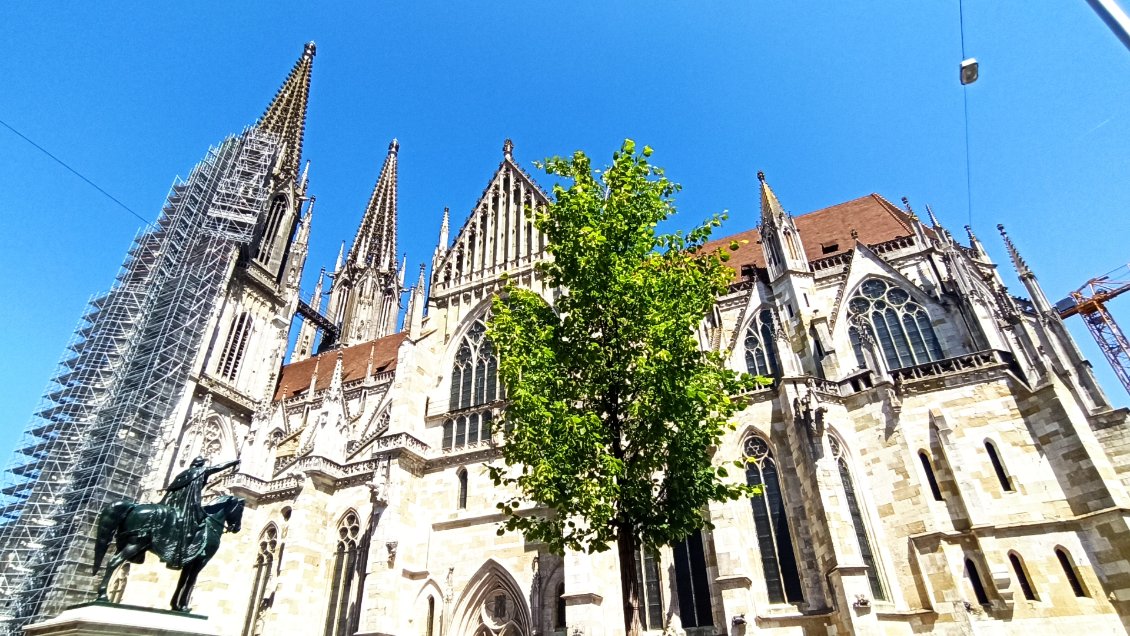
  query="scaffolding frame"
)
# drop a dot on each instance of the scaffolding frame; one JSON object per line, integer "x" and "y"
{"x": 123, "y": 375}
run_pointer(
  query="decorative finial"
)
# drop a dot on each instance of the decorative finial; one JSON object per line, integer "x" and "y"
{"x": 508, "y": 149}
{"x": 909, "y": 210}
{"x": 933, "y": 218}
{"x": 394, "y": 146}
{"x": 854, "y": 234}
{"x": 1017, "y": 259}
{"x": 761, "y": 176}
{"x": 311, "y": 49}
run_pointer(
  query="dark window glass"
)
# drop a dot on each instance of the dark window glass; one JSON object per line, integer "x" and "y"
{"x": 760, "y": 352}
{"x": 998, "y": 467}
{"x": 861, "y": 532}
{"x": 1069, "y": 571}
{"x": 778, "y": 561}
{"x": 462, "y": 489}
{"x": 474, "y": 382}
{"x": 236, "y": 344}
{"x": 691, "y": 582}
{"x": 448, "y": 433}
{"x": 1022, "y": 577}
{"x": 430, "y": 629}
{"x": 559, "y": 613}
{"x": 901, "y": 326}
{"x": 264, "y": 570}
{"x": 461, "y": 431}
{"x": 473, "y": 429}
{"x": 930, "y": 478}
{"x": 651, "y": 603}
{"x": 975, "y": 581}
{"x": 341, "y": 620}
{"x": 270, "y": 229}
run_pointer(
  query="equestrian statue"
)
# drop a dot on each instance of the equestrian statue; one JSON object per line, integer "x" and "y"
{"x": 180, "y": 530}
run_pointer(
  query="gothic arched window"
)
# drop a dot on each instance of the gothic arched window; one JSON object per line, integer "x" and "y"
{"x": 651, "y": 599}
{"x": 271, "y": 229}
{"x": 998, "y": 467}
{"x": 691, "y": 582}
{"x": 778, "y": 561}
{"x": 760, "y": 352}
{"x": 892, "y": 318}
{"x": 1069, "y": 571}
{"x": 931, "y": 478}
{"x": 231, "y": 357}
{"x": 474, "y": 383}
{"x": 462, "y": 477}
{"x": 264, "y": 570}
{"x": 974, "y": 576}
{"x": 1026, "y": 586}
{"x": 559, "y": 608}
{"x": 339, "y": 615}
{"x": 857, "y": 522}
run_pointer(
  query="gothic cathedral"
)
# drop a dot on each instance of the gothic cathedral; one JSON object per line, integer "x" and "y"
{"x": 934, "y": 453}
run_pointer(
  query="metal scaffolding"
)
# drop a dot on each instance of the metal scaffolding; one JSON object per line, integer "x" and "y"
{"x": 122, "y": 378}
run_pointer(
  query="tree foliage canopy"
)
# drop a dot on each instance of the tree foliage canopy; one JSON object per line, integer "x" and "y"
{"x": 613, "y": 408}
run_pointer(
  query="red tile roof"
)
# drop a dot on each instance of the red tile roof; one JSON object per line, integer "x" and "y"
{"x": 295, "y": 377}
{"x": 827, "y": 232}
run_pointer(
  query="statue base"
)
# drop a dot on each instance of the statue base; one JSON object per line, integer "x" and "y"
{"x": 100, "y": 618}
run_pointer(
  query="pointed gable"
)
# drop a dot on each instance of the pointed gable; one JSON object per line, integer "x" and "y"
{"x": 833, "y": 230}
{"x": 286, "y": 115}
{"x": 498, "y": 235}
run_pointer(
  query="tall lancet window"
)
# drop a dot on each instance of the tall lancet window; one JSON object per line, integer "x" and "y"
{"x": 857, "y": 521}
{"x": 265, "y": 569}
{"x": 271, "y": 226}
{"x": 893, "y": 319}
{"x": 760, "y": 352}
{"x": 474, "y": 385}
{"x": 691, "y": 582}
{"x": 234, "y": 347}
{"x": 778, "y": 561}
{"x": 340, "y": 617}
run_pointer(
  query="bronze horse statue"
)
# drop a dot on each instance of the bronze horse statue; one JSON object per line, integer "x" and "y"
{"x": 136, "y": 528}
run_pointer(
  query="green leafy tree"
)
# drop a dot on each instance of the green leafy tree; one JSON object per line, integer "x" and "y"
{"x": 613, "y": 408}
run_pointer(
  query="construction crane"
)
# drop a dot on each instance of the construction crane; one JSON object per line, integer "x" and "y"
{"x": 1090, "y": 301}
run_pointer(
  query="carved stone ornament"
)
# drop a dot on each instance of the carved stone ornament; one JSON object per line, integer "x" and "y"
{"x": 810, "y": 413}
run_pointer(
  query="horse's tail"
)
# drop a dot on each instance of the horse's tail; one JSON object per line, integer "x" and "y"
{"x": 108, "y": 522}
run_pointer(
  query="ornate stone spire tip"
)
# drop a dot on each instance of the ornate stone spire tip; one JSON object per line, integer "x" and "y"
{"x": 310, "y": 50}
{"x": 761, "y": 176}
{"x": 394, "y": 146}
{"x": 508, "y": 148}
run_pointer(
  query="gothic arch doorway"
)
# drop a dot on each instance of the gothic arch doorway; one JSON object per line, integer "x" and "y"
{"x": 492, "y": 605}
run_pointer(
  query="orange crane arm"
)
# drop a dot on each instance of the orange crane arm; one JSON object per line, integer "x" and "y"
{"x": 1090, "y": 302}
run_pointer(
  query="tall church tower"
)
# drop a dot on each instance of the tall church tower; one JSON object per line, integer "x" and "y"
{"x": 172, "y": 362}
{"x": 365, "y": 297}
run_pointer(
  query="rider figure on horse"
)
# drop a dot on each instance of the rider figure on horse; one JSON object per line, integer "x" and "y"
{"x": 184, "y": 496}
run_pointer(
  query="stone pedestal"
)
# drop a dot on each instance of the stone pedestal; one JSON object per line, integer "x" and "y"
{"x": 109, "y": 619}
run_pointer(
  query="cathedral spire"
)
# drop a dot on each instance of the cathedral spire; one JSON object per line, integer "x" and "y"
{"x": 286, "y": 115}
{"x": 1014, "y": 254}
{"x": 375, "y": 243}
{"x": 771, "y": 211}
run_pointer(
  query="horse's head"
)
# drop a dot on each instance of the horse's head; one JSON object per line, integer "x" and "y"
{"x": 230, "y": 509}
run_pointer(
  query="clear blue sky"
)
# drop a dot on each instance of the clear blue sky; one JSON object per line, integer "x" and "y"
{"x": 833, "y": 100}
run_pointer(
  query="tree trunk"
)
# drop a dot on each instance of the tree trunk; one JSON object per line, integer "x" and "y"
{"x": 627, "y": 544}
